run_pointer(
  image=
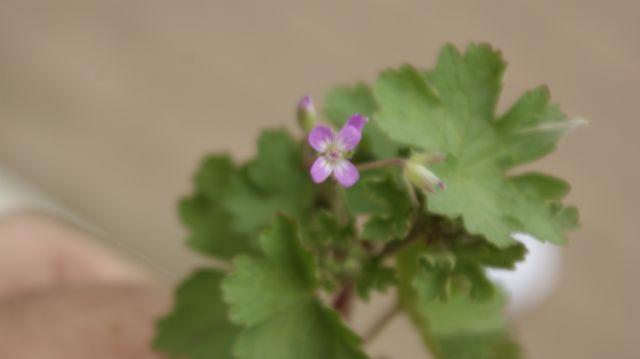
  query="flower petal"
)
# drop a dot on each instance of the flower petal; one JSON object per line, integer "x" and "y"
{"x": 320, "y": 138}
{"x": 358, "y": 121}
{"x": 346, "y": 173}
{"x": 320, "y": 170}
{"x": 348, "y": 138}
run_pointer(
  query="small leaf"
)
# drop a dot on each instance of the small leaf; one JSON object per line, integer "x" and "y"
{"x": 438, "y": 259}
{"x": 323, "y": 228}
{"x": 442, "y": 273}
{"x": 483, "y": 253}
{"x": 358, "y": 198}
{"x": 459, "y": 327}
{"x": 198, "y": 327}
{"x": 375, "y": 275}
{"x": 481, "y": 288}
{"x": 392, "y": 222}
{"x": 433, "y": 283}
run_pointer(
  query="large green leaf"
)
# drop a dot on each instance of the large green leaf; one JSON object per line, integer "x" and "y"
{"x": 452, "y": 110}
{"x": 273, "y": 299}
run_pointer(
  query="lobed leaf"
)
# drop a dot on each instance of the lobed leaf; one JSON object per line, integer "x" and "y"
{"x": 203, "y": 213}
{"x": 452, "y": 110}
{"x": 273, "y": 299}
{"x": 458, "y": 327}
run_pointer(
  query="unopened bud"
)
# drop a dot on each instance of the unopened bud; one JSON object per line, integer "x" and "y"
{"x": 306, "y": 113}
{"x": 420, "y": 176}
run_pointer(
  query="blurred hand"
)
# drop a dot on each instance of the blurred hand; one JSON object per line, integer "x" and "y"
{"x": 64, "y": 296}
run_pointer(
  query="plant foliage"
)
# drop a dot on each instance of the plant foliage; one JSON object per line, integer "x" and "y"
{"x": 293, "y": 243}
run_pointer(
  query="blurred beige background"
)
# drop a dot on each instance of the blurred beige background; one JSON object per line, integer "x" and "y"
{"x": 110, "y": 105}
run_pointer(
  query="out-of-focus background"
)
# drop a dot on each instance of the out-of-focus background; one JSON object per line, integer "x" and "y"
{"x": 110, "y": 105}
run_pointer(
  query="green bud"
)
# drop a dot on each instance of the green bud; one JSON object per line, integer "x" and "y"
{"x": 306, "y": 113}
{"x": 419, "y": 175}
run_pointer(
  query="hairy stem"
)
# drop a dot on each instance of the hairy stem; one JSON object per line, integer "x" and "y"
{"x": 382, "y": 163}
{"x": 381, "y": 322}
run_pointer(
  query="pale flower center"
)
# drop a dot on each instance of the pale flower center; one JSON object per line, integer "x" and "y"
{"x": 333, "y": 154}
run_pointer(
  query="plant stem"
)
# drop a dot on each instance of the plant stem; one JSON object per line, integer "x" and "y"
{"x": 342, "y": 301}
{"x": 381, "y": 322}
{"x": 341, "y": 205}
{"x": 382, "y": 163}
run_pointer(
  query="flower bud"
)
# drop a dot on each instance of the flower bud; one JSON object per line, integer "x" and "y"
{"x": 419, "y": 175}
{"x": 307, "y": 116}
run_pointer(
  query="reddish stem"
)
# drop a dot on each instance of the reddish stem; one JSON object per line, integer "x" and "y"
{"x": 342, "y": 301}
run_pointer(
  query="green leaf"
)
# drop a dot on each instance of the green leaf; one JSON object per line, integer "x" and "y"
{"x": 480, "y": 287}
{"x": 452, "y": 110}
{"x": 330, "y": 242}
{"x": 463, "y": 328}
{"x": 443, "y": 272}
{"x": 273, "y": 299}
{"x": 433, "y": 280}
{"x": 339, "y": 256}
{"x": 461, "y": 314}
{"x": 439, "y": 258}
{"x": 358, "y": 198}
{"x": 393, "y": 222}
{"x": 277, "y": 181}
{"x": 459, "y": 327}
{"x": 374, "y": 275}
{"x": 323, "y": 228}
{"x": 198, "y": 327}
{"x": 480, "y": 252}
{"x": 203, "y": 213}
{"x": 342, "y": 102}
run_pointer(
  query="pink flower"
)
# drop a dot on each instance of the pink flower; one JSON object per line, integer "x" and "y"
{"x": 334, "y": 149}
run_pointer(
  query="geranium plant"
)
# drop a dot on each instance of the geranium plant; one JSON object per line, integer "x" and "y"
{"x": 409, "y": 186}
